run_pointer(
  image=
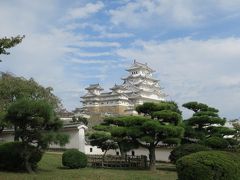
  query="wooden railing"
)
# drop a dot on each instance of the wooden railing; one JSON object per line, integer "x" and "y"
{"x": 111, "y": 161}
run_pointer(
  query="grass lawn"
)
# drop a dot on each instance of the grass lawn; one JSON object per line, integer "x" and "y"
{"x": 50, "y": 167}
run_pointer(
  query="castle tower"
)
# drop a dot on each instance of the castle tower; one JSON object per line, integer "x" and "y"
{"x": 138, "y": 87}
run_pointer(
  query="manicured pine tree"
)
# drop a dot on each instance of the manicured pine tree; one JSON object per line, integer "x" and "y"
{"x": 205, "y": 124}
{"x": 36, "y": 124}
{"x": 160, "y": 124}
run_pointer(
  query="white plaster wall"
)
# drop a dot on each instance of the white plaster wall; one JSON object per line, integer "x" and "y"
{"x": 95, "y": 150}
{"x": 162, "y": 154}
{"x": 76, "y": 139}
{"x": 73, "y": 140}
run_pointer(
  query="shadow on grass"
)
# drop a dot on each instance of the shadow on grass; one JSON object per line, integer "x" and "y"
{"x": 63, "y": 167}
{"x": 166, "y": 169}
{"x": 39, "y": 170}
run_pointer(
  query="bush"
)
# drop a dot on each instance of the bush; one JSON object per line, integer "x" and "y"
{"x": 74, "y": 159}
{"x": 209, "y": 165}
{"x": 216, "y": 143}
{"x": 184, "y": 150}
{"x": 11, "y": 156}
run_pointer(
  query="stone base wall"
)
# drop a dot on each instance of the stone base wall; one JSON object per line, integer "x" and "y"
{"x": 97, "y": 114}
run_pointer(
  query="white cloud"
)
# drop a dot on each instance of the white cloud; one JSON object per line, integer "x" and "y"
{"x": 98, "y": 44}
{"x": 88, "y": 61}
{"x": 85, "y": 11}
{"x": 115, "y": 35}
{"x": 92, "y": 54}
{"x": 173, "y": 13}
{"x": 144, "y": 13}
{"x": 203, "y": 70}
{"x": 41, "y": 54}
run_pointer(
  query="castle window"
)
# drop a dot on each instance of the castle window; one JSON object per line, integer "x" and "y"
{"x": 90, "y": 149}
{"x": 117, "y": 153}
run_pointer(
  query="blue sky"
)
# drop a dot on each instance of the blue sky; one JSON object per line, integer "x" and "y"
{"x": 194, "y": 45}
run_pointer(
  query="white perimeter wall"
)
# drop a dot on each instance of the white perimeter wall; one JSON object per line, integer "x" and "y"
{"x": 162, "y": 154}
{"x": 77, "y": 141}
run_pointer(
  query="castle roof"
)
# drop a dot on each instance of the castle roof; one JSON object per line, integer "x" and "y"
{"x": 115, "y": 87}
{"x": 139, "y": 76}
{"x": 94, "y": 86}
{"x": 138, "y": 65}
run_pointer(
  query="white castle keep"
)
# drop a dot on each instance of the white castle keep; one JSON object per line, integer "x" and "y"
{"x": 138, "y": 87}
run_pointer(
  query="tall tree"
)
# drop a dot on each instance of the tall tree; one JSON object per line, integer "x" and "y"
{"x": 36, "y": 124}
{"x": 204, "y": 123}
{"x": 160, "y": 124}
{"x": 118, "y": 133}
{"x": 236, "y": 127}
{"x": 7, "y": 43}
{"x": 13, "y": 88}
{"x": 102, "y": 140}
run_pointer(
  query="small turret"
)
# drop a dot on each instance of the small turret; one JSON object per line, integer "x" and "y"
{"x": 94, "y": 89}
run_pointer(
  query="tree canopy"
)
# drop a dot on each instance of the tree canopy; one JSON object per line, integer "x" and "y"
{"x": 7, "y": 43}
{"x": 13, "y": 88}
{"x": 80, "y": 119}
{"x": 160, "y": 124}
{"x": 36, "y": 124}
{"x": 204, "y": 124}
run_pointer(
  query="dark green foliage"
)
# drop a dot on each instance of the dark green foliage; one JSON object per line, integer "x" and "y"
{"x": 12, "y": 156}
{"x": 3, "y": 123}
{"x": 102, "y": 140}
{"x": 7, "y": 43}
{"x": 74, "y": 159}
{"x": 80, "y": 119}
{"x": 205, "y": 123}
{"x": 195, "y": 106}
{"x": 236, "y": 126}
{"x": 216, "y": 143}
{"x": 168, "y": 116}
{"x": 148, "y": 108}
{"x": 209, "y": 165}
{"x": 160, "y": 123}
{"x": 35, "y": 124}
{"x": 13, "y": 88}
{"x": 184, "y": 150}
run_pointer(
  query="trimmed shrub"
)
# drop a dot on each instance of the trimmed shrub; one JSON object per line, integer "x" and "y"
{"x": 184, "y": 150}
{"x": 216, "y": 143}
{"x": 209, "y": 165}
{"x": 74, "y": 159}
{"x": 11, "y": 156}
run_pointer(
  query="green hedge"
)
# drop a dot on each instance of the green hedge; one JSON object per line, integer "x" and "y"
{"x": 11, "y": 156}
{"x": 74, "y": 159}
{"x": 209, "y": 165}
{"x": 184, "y": 150}
{"x": 217, "y": 143}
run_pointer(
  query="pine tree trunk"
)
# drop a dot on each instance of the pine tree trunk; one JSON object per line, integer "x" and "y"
{"x": 26, "y": 156}
{"x": 123, "y": 153}
{"x": 28, "y": 166}
{"x": 103, "y": 157}
{"x": 152, "y": 157}
{"x": 16, "y": 137}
